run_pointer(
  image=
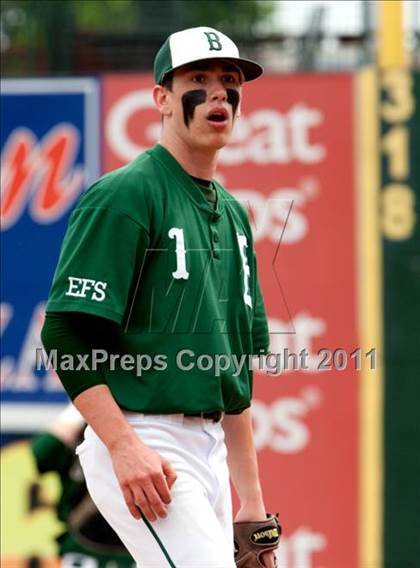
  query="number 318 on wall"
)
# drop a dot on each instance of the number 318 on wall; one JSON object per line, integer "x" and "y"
{"x": 398, "y": 199}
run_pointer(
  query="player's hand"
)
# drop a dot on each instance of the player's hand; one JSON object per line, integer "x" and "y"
{"x": 256, "y": 512}
{"x": 145, "y": 478}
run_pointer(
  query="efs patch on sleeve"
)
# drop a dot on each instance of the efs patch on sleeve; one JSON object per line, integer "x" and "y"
{"x": 86, "y": 288}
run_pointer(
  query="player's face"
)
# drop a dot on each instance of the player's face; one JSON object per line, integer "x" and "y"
{"x": 204, "y": 102}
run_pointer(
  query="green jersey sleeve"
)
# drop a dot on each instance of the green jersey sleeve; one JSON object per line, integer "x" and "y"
{"x": 77, "y": 334}
{"x": 100, "y": 260}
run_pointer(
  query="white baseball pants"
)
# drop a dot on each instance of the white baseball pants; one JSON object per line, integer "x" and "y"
{"x": 197, "y": 532}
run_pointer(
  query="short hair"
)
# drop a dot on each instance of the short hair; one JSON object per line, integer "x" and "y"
{"x": 167, "y": 81}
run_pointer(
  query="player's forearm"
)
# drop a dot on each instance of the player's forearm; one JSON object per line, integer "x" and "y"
{"x": 102, "y": 413}
{"x": 242, "y": 458}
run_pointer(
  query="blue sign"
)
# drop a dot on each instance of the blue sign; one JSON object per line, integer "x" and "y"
{"x": 49, "y": 155}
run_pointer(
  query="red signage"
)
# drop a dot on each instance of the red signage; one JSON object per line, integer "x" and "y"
{"x": 291, "y": 163}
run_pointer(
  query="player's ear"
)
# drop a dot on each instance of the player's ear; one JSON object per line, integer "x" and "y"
{"x": 161, "y": 98}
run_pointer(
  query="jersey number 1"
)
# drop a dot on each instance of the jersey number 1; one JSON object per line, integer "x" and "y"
{"x": 181, "y": 270}
{"x": 243, "y": 244}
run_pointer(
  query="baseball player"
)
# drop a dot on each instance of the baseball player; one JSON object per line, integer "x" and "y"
{"x": 156, "y": 293}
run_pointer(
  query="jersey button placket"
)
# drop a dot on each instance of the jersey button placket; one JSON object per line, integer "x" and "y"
{"x": 215, "y": 243}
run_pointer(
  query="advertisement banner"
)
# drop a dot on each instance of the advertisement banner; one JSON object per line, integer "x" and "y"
{"x": 49, "y": 154}
{"x": 291, "y": 163}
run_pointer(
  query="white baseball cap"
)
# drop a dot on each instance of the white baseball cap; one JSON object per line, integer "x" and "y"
{"x": 198, "y": 44}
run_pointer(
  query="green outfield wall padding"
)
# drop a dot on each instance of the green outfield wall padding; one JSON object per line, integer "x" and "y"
{"x": 401, "y": 257}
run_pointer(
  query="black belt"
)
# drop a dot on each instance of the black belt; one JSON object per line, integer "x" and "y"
{"x": 215, "y": 416}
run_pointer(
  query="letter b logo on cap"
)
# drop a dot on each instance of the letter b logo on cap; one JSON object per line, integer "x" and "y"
{"x": 214, "y": 41}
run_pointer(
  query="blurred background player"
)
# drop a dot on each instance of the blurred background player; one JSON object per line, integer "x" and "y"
{"x": 88, "y": 540}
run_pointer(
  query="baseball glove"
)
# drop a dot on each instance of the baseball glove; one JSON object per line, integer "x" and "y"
{"x": 254, "y": 538}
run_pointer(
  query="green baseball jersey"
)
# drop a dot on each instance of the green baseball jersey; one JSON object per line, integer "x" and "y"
{"x": 145, "y": 249}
